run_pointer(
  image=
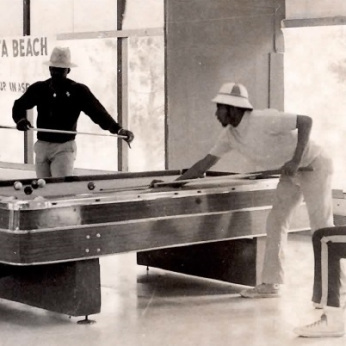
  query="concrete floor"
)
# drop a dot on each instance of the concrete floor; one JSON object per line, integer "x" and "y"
{"x": 141, "y": 308}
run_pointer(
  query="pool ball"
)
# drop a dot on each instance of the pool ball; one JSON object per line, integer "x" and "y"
{"x": 91, "y": 185}
{"x": 39, "y": 199}
{"x": 17, "y": 185}
{"x": 28, "y": 190}
{"x": 41, "y": 182}
{"x": 34, "y": 184}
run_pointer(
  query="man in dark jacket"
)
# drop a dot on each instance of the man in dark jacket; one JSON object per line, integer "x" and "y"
{"x": 59, "y": 102}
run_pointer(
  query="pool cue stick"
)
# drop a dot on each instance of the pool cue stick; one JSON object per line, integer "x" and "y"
{"x": 65, "y": 132}
{"x": 125, "y": 189}
{"x": 230, "y": 177}
{"x": 278, "y": 171}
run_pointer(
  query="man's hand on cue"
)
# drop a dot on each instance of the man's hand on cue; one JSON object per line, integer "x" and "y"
{"x": 24, "y": 125}
{"x": 154, "y": 182}
{"x": 128, "y": 134}
{"x": 290, "y": 168}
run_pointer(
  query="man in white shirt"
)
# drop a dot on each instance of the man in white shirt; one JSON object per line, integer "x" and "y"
{"x": 273, "y": 139}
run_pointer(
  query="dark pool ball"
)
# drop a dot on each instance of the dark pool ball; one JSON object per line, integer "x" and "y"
{"x": 91, "y": 185}
{"x": 28, "y": 190}
{"x": 34, "y": 184}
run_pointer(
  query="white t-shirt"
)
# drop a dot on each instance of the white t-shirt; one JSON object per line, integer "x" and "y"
{"x": 266, "y": 137}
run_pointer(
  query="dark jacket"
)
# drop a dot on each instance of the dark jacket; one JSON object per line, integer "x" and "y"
{"x": 60, "y": 110}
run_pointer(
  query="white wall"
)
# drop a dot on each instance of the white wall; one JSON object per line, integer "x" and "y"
{"x": 298, "y": 9}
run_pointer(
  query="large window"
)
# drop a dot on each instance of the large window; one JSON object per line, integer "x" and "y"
{"x": 315, "y": 84}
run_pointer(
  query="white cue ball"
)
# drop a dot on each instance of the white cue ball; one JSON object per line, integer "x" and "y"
{"x": 41, "y": 182}
{"x": 18, "y": 185}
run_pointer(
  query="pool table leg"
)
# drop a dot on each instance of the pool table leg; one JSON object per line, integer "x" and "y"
{"x": 71, "y": 288}
{"x": 238, "y": 261}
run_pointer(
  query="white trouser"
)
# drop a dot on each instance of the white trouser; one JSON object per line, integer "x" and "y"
{"x": 315, "y": 188}
{"x": 54, "y": 159}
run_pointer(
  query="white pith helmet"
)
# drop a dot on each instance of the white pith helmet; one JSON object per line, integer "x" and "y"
{"x": 233, "y": 94}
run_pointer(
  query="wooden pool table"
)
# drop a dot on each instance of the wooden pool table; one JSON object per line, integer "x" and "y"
{"x": 51, "y": 239}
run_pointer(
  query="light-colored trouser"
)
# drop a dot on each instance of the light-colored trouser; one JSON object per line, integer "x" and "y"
{"x": 315, "y": 187}
{"x": 54, "y": 159}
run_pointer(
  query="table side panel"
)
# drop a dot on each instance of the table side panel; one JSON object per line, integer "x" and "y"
{"x": 89, "y": 228}
{"x": 90, "y": 242}
{"x": 142, "y": 208}
{"x": 10, "y": 247}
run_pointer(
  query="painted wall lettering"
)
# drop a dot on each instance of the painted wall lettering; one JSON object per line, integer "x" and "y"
{"x": 24, "y": 47}
{"x": 4, "y": 50}
{"x": 30, "y": 47}
{"x": 18, "y": 86}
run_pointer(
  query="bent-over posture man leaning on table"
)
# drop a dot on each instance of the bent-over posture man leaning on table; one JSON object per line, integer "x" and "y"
{"x": 273, "y": 139}
{"x": 59, "y": 102}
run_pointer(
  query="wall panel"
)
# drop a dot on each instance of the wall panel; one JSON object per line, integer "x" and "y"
{"x": 299, "y": 9}
{"x": 209, "y": 43}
